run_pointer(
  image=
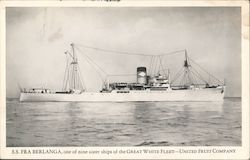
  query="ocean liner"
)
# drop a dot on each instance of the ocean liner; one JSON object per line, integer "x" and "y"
{"x": 156, "y": 86}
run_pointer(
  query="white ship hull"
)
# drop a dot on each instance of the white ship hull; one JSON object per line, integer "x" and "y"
{"x": 208, "y": 94}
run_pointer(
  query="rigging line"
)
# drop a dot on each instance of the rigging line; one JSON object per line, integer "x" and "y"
{"x": 150, "y": 65}
{"x": 194, "y": 78}
{"x": 176, "y": 78}
{"x": 182, "y": 82}
{"x": 65, "y": 72}
{"x": 192, "y": 82}
{"x": 164, "y": 71}
{"x": 197, "y": 73}
{"x": 171, "y": 53}
{"x": 71, "y": 77}
{"x": 81, "y": 78}
{"x": 153, "y": 65}
{"x": 205, "y": 70}
{"x": 159, "y": 65}
{"x": 177, "y": 74}
{"x": 214, "y": 81}
{"x": 68, "y": 74}
{"x": 67, "y": 80}
{"x": 185, "y": 79}
{"x": 76, "y": 82}
{"x": 98, "y": 72}
{"x": 188, "y": 82}
{"x": 128, "y": 53}
{"x": 189, "y": 78}
{"x": 91, "y": 60}
{"x": 156, "y": 64}
{"x": 74, "y": 77}
{"x": 199, "y": 76}
{"x": 67, "y": 52}
{"x": 180, "y": 75}
{"x": 113, "y": 51}
{"x": 117, "y": 75}
{"x": 179, "y": 82}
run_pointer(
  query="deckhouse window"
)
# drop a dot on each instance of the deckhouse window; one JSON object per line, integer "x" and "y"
{"x": 122, "y": 91}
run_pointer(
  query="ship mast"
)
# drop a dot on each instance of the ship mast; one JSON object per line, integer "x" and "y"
{"x": 187, "y": 66}
{"x": 74, "y": 63}
{"x": 73, "y": 81}
{"x": 189, "y": 76}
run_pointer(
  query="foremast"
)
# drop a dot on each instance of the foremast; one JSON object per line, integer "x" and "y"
{"x": 73, "y": 82}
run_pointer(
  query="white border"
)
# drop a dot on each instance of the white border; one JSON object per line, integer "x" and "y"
{"x": 241, "y": 152}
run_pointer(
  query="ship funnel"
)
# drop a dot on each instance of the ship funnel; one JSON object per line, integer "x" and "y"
{"x": 141, "y": 75}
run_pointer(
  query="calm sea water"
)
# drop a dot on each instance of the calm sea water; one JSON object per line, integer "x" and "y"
{"x": 124, "y": 124}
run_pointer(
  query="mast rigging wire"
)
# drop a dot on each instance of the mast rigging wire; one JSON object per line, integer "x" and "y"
{"x": 129, "y": 53}
{"x": 91, "y": 62}
{"x": 206, "y": 71}
{"x": 161, "y": 64}
{"x": 120, "y": 75}
{"x": 65, "y": 79}
{"x": 154, "y": 63}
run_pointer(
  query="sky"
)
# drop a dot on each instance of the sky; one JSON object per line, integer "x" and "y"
{"x": 38, "y": 37}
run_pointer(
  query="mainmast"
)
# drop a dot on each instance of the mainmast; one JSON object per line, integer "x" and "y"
{"x": 189, "y": 76}
{"x": 186, "y": 64}
{"x": 187, "y": 80}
